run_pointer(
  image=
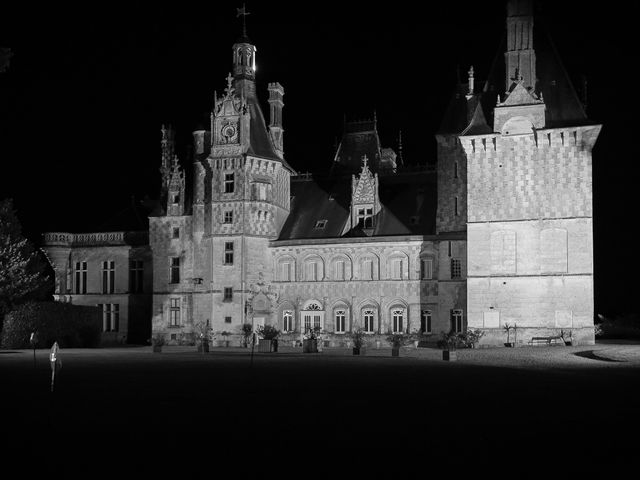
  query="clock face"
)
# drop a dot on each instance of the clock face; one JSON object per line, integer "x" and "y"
{"x": 229, "y": 133}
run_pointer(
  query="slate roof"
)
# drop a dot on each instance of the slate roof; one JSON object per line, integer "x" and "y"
{"x": 261, "y": 144}
{"x": 563, "y": 107}
{"x": 408, "y": 206}
{"x": 359, "y": 139}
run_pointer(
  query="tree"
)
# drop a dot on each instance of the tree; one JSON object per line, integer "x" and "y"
{"x": 21, "y": 265}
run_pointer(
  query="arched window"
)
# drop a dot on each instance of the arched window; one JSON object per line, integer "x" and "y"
{"x": 312, "y": 316}
{"x": 397, "y": 319}
{"x": 368, "y": 268}
{"x": 398, "y": 266}
{"x": 369, "y": 319}
{"x": 287, "y": 321}
{"x": 313, "y": 269}
{"x": 286, "y": 269}
{"x": 340, "y": 320}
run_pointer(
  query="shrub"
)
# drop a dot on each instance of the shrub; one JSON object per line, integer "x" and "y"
{"x": 268, "y": 332}
{"x": 621, "y": 326}
{"x": 397, "y": 340}
{"x": 358, "y": 336}
{"x": 470, "y": 338}
{"x": 72, "y": 326}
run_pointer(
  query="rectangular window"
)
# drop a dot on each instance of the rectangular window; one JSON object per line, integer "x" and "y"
{"x": 136, "y": 272}
{"x": 367, "y": 270}
{"x": 227, "y": 319}
{"x": 175, "y": 233}
{"x": 426, "y": 269}
{"x": 228, "y": 216}
{"x": 174, "y": 275}
{"x": 287, "y": 321}
{"x": 286, "y": 272}
{"x": 456, "y": 321}
{"x": 228, "y": 294}
{"x": 369, "y": 316}
{"x": 228, "y": 253}
{"x": 260, "y": 190}
{"x": 229, "y": 182}
{"x": 455, "y": 206}
{"x": 174, "y": 312}
{"x": 339, "y": 273}
{"x": 110, "y": 316}
{"x": 307, "y": 323}
{"x": 340, "y": 321}
{"x": 365, "y": 217}
{"x": 108, "y": 276}
{"x": 176, "y": 198}
{"x": 81, "y": 278}
{"x": 456, "y": 268}
{"x": 425, "y": 321}
{"x": 320, "y": 224}
{"x": 455, "y": 169}
{"x": 396, "y": 269}
{"x": 312, "y": 272}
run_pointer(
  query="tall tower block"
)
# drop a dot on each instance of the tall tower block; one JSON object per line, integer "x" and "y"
{"x": 525, "y": 145}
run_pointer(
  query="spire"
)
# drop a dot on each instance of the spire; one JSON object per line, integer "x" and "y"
{"x": 471, "y": 81}
{"x": 400, "y": 159}
{"x": 244, "y": 59}
{"x": 520, "y": 57}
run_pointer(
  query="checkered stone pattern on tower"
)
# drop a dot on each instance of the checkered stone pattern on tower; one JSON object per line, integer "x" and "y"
{"x": 528, "y": 177}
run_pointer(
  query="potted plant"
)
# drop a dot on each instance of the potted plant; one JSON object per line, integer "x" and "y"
{"x": 204, "y": 335}
{"x": 246, "y": 330}
{"x": 225, "y": 335}
{"x": 357, "y": 336}
{"x": 567, "y": 339}
{"x": 158, "y": 341}
{"x": 508, "y": 328}
{"x": 449, "y": 344}
{"x": 310, "y": 341}
{"x": 269, "y": 334}
{"x": 397, "y": 340}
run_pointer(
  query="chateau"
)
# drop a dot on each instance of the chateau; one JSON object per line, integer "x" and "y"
{"x": 499, "y": 233}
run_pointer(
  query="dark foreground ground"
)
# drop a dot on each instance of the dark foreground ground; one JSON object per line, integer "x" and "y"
{"x": 524, "y": 412}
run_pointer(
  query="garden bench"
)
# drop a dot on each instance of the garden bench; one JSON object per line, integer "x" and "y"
{"x": 547, "y": 340}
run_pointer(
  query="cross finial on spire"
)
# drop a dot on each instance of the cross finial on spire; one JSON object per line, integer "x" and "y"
{"x": 243, "y": 11}
{"x": 365, "y": 160}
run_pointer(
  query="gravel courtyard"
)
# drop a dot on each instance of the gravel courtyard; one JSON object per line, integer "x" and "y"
{"x": 130, "y": 408}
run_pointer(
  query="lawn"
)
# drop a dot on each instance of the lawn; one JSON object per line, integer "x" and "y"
{"x": 181, "y": 410}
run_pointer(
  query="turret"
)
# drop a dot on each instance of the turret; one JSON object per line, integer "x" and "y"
{"x": 276, "y": 92}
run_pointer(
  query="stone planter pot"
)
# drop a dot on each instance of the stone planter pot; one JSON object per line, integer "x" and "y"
{"x": 265, "y": 346}
{"x": 449, "y": 355}
{"x": 157, "y": 348}
{"x": 203, "y": 347}
{"x": 356, "y": 350}
{"x": 310, "y": 346}
{"x": 395, "y": 351}
{"x": 509, "y": 344}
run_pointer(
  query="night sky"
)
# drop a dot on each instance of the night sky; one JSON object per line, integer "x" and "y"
{"x": 88, "y": 88}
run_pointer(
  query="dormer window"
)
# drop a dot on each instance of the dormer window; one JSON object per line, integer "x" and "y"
{"x": 320, "y": 224}
{"x": 365, "y": 217}
{"x": 176, "y": 198}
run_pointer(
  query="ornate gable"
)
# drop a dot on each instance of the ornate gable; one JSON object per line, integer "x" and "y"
{"x": 365, "y": 201}
{"x": 365, "y": 187}
{"x": 225, "y": 119}
{"x": 519, "y": 95}
{"x": 522, "y": 111}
